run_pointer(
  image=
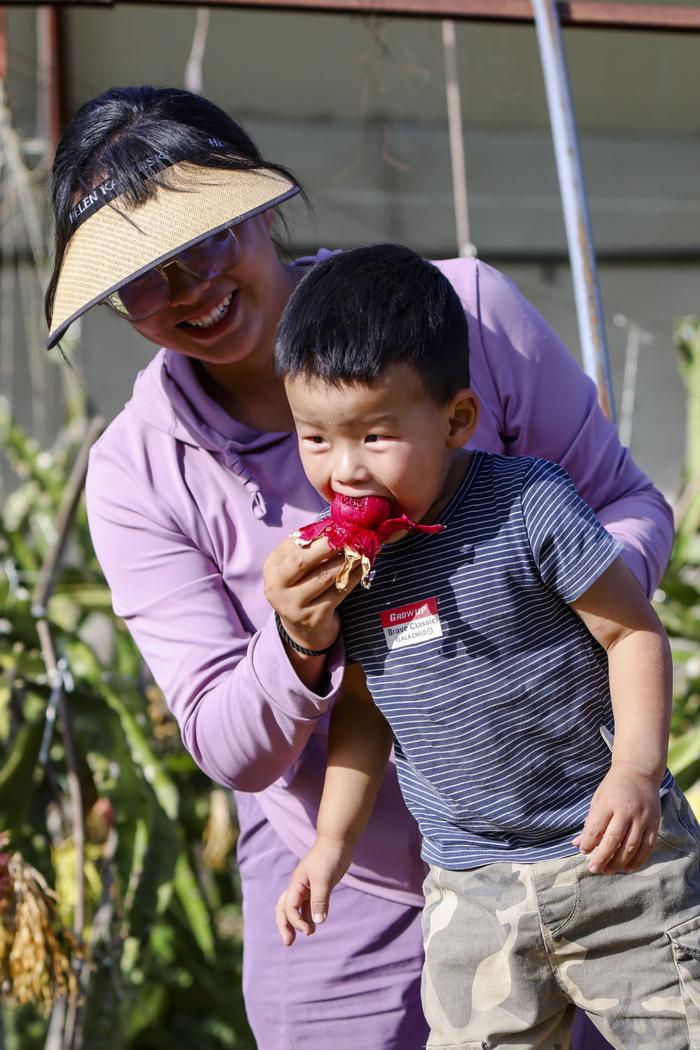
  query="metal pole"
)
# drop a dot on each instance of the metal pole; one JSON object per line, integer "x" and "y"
{"x": 573, "y": 194}
{"x": 636, "y": 338}
{"x": 460, "y": 194}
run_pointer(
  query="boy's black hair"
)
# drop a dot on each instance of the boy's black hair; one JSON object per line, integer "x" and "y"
{"x": 358, "y": 312}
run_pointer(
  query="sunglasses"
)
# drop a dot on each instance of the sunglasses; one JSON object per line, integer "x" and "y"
{"x": 146, "y": 295}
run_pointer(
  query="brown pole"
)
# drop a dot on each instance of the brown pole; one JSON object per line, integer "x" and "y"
{"x": 50, "y": 73}
{"x": 3, "y": 44}
{"x": 575, "y": 14}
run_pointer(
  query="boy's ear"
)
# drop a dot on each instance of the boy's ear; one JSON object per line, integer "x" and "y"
{"x": 463, "y": 417}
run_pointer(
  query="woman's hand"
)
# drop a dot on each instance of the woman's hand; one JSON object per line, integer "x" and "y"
{"x": 299, "y": 584}
{"x": 304, "y": 904}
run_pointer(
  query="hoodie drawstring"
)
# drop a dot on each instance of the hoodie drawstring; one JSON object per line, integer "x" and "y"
{"x": 233, "y": 461}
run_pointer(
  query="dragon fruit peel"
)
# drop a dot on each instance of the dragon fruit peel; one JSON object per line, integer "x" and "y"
{"x": 358, "y": 525}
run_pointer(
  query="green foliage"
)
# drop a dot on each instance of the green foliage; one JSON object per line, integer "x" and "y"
{"x": 162, "y": 969}
{"x": 679, "y": 606}
{"x": 162, "y": 933}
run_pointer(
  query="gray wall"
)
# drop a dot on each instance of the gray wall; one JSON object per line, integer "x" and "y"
{"x": 356, "y": 107}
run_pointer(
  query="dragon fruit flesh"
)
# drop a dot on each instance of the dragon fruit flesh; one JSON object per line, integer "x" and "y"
{"x": 358, "y": 525}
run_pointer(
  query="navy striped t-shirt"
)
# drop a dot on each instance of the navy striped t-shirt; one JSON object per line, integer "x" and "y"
{"x": 495, "y": 690}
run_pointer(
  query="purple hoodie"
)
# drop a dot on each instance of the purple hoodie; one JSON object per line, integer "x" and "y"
{"x": 185, "y": 504}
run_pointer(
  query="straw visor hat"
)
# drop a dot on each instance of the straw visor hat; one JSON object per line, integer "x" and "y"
{"x": 113, "y": 243}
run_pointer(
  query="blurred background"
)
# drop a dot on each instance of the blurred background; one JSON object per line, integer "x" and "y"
{"x": 355, "y": 106}
{"x": 120, "y": 911}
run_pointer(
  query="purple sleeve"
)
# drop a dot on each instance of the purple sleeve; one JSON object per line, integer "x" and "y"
{"x": 550, "y": 410}
{"x": 243, "y": 714}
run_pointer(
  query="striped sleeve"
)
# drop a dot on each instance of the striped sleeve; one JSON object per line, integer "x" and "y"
{"x": 570, "y": 547}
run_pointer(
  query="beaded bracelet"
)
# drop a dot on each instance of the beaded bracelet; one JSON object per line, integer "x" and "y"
{"x": 295, "y": 645}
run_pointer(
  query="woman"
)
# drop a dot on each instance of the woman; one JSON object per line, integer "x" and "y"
{"x": 164, "y": 210}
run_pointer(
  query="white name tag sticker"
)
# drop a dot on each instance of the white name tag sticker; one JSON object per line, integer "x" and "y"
{"x": 411, "y": 624}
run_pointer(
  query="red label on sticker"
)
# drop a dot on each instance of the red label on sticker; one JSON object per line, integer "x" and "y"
{"x": 407, "y": 613}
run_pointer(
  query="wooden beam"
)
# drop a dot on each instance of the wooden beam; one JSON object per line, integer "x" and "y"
{"x": 50, "y": 73}
{"x": 575, "y": 14}
{"x": 3, "y": 44}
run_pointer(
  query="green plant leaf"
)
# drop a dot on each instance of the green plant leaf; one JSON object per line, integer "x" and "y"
{"x": 194, "y": 907}
{"x": 144, "y": 756}
{"x": 684, "y": 751}
{"x": 17, "y": 775}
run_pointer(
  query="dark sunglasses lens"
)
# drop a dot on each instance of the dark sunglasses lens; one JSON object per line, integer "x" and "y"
{"x": 141, "y": 297}
{"x": 216, "y": 254}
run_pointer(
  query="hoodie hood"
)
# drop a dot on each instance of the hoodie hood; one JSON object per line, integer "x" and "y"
{"x": 168, "y": 396}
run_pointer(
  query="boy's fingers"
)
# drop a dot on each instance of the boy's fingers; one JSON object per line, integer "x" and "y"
{"x": 296, "y": 893}
{"x": 629, "y": 853}
{"x": 296, "y": 907}
{"x": 301, "y": 919}
{"x": 650, "y": 840}
{"x": 626, "y": 853}
{"x": 320, "y": 897}
{"x": 644, "y": 851}
{"x": 615, "y": 835}
{"x": 593, "y": 829}
{"x": 284, "y": 928}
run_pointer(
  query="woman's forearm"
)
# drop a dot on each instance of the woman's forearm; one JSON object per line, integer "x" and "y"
{"x": 244, "y": 712}
{"x": 248, "y": 729}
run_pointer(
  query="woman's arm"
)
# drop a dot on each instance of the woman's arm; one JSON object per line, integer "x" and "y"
{"x": 243, "y": 710}
{"x": 550, "y": 409}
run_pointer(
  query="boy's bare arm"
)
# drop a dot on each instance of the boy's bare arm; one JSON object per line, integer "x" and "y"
{"x": 622, "y": 824}
{"x": 359, "y": 744}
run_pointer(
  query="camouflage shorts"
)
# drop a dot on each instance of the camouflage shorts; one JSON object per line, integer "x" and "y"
{"x": 512, "y": 949}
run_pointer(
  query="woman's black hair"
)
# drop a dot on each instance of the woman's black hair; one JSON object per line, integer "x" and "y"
{"x": 359, "y": 312}
{"x": 113, "y": 134}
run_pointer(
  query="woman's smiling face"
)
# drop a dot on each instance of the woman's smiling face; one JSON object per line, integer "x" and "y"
{"x": 233, "y": 316}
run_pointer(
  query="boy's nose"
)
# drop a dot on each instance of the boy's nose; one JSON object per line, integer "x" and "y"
{"x": 349, "y": 469}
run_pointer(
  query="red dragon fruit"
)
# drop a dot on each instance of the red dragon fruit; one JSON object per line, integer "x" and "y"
{"x": 358, "y": 525}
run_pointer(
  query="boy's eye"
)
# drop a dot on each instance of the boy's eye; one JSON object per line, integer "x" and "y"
{"x": 372, "y": 438}
{"x": 315, "y": 439}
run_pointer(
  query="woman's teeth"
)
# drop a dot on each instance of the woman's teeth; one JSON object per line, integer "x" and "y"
{"x": 215, "y": 315}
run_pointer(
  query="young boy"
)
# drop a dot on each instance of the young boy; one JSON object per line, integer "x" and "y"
{"x": 496, "y": 656}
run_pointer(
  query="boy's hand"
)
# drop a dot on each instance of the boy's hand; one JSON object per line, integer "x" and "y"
{"x": 623, "y": 821}
{"x": 304, "y": 904}
{"x": 300, "y": 585}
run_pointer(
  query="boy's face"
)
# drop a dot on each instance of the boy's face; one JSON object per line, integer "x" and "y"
{"x": 390, "y": 439}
